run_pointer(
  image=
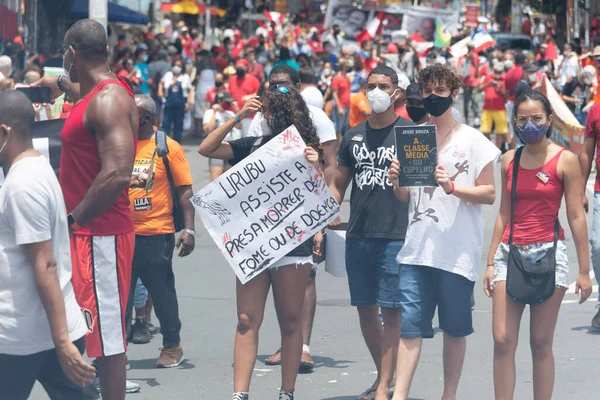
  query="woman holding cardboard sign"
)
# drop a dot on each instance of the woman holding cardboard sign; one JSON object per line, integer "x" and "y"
{"x": 281, "y": 106}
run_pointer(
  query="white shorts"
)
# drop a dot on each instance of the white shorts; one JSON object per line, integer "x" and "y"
{"x": 534, "y": 251}
{"x": 289, "y": 261}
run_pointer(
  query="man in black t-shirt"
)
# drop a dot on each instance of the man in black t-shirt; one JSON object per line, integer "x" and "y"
{"x": 377, "y": 225}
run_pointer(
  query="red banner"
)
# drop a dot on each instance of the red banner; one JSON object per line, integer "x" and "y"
{"x": 471, "y": 15}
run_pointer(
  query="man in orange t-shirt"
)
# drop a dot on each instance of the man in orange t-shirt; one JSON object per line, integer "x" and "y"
{"x": 360, "y": 110}
{"x": 152, "y": 211}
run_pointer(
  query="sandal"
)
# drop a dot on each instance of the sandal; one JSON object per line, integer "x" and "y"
{"x": 367, "y": 394}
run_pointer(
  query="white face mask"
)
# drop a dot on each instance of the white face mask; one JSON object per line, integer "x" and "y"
{"x": 4, "y": 144}
{"x": 379, "y": 101}
{"x": 176, "y": 70}
{"x": 533, "y": 77}
{"x": 327, "y": 72}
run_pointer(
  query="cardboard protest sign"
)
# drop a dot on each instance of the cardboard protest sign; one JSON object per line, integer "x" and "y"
{"x": 266, "y": 205}
{"x": 417, "y": 153}
{"x": 46, "y": 140}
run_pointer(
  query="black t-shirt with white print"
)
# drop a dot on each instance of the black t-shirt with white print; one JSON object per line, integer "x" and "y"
{"x": 375, "y": 212}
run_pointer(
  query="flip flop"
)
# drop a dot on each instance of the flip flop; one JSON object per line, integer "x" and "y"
{"x": 366, "y": 395}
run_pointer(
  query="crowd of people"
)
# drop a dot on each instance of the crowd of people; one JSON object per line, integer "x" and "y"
{"x": 101, "y": 238}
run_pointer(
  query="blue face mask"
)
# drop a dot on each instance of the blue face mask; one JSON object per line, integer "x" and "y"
{"x": 532, "y": 132}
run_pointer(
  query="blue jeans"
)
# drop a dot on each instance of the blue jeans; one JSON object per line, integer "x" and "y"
{"x": 173, "y": 117}
{"x": 339, "y": 121}
{"x": 423, "y": 289}
{"x": 373, "y": 273}
{"x": 140, "y": 296}
{"x": 595, "y": 238}
{"x": 153, "y": 264}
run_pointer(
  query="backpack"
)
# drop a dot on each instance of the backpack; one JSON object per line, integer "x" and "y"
{"x": 162, "y": 150}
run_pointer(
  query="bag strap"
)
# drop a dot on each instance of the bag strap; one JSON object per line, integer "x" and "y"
{"x": 513, "y": 192}
{"x": 160, "y": 138}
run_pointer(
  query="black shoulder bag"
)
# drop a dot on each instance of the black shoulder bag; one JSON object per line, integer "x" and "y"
{"x": 163, "y": 150}
{"x": 529, "y": 282}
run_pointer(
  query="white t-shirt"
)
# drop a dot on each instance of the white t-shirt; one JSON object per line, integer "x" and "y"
{"x": 313, "y": 97}
{"x": 325, "y": 129}
{"x": 221, "y": 118}
{"x": 186, "y": 83}
{"x": 445, "y": 232}
{"x": 32, "y": 210}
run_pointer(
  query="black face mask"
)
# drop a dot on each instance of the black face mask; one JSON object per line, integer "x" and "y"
{"x": 218, "y": 84}
{"x": 416, "y": 114}
{"x": 241, "y": 72}
{"x": 436, "y": 105}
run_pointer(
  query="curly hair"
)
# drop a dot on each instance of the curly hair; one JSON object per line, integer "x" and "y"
{"x": 440, "y": 74}
{"x": 285, "y": 109}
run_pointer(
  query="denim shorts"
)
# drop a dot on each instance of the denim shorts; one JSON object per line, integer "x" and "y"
{"x": 373, "y": 272}
{"x": 422, "y": 289}
{"x": 534, "y": 252}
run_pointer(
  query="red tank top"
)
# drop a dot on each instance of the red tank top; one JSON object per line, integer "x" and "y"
{"x": 537, "y": 203}
{"x": 80, "y": 164}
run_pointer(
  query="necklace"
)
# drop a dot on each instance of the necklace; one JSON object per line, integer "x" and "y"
{"x": 100, "y": 76}
{"x": 447, "y": 134}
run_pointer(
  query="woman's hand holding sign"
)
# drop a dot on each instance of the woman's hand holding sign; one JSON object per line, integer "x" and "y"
{"x": 312, "y": 156}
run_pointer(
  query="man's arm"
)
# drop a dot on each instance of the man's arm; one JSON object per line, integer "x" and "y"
{"x": 186, "y": 241}
{"x": 341, "y": 180}
{"x": 108, "y": 117}
{"x": 484, "y": 191}
{"x": 72, "y": 89}
{"x": 42, "y": 258}
{"x": 586, "y": 158}
{"x": 330, "y": 158}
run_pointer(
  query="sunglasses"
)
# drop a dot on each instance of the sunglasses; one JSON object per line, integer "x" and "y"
{"x": 280, "y": 88}
{"x": 63, "y": 50}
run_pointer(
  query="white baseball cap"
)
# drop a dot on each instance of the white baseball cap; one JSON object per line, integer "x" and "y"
{"x": 403, "y": 81}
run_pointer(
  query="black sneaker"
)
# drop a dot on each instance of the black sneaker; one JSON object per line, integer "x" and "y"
{"x": 140, "y": 333}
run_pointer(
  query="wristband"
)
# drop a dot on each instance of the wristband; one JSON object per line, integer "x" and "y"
{"x": 189, "y": 232}
{"x": 237, "y": 119}
{"x": 59, "y": 83}
{"x": 451, "y": 189}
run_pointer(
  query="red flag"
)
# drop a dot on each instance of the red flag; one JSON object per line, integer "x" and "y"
{"x": 421, "y": 46}
{"x": 551, "y": 53}
{"x": 372, "y": 29}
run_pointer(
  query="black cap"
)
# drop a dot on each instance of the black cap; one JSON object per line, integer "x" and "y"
{"x": 520, "y": 59}
{"x": 413, "y": 91}
{"x": 530, "y": 68}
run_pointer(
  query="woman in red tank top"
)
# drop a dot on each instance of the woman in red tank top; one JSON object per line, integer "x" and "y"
{"x": 546, "y": 172}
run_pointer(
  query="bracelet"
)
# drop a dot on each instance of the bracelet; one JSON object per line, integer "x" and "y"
{"x": 451, "y": 189}
{"x": 189, "y": 232}
{"x": 59, "y": 83}
{"x": 239, "y": 121}
{"x": 490, "y": 265}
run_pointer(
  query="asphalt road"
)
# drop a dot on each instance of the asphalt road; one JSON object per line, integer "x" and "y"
{"x": 205, "y": 286}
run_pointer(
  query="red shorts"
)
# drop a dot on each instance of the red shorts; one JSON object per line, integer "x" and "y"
{"x": 101, "y": 280}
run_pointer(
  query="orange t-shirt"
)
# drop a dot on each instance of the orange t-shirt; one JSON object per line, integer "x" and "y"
{"x": 358, "y": 105}
{"x": 153, "y": 211}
